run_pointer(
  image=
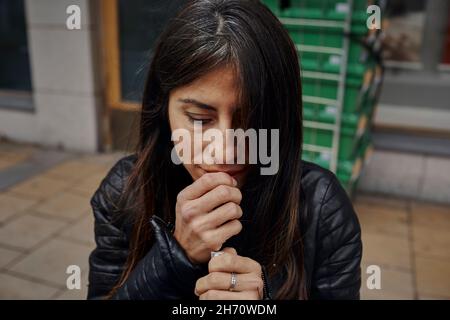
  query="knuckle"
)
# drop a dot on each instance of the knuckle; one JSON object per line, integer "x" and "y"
{"x": 255, "y": 266}
{"x": 180, "y": 196}
{"x": 239, "y": 195}
{"x": 187, "y": 211}
{"x": 258, "y": 268}
{"x": 237, "y": 211}
{"x": 260, "y": 286}
{"x": 223, "y": 192}
{"x": 198, "y": 285}
{"x": 215, "y": 264}
{"x": 208, "y": 179}
{"x": 209, "y": 240}
{"x": 196, "y": 226}
{"x": 206, "y": 238}
{"x": 233, "y": 210}
{"x": 229, "y": 260}
{"x": 224, "y": 177}
{"x": 238, "y": 226}
{"x": 258, "y": 283}
{"x": 213, "y": 279}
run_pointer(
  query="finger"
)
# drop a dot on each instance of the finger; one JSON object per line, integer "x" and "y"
{"x": 234, "y": 263}
{"x": 206, "y": 183}
{"x": 222, "y": 281}
{"x": 229, "y": 295}
{"x": 217, "y": 217}
{"x": 219, "y": 235}
{"x": 230, "y": 250}
{"x": 216, "y": 197}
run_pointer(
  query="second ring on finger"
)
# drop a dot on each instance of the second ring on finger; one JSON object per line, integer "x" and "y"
{"x": 223, "y": 281}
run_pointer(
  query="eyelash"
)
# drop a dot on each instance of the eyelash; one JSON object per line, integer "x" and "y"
{"x": 203, "y": 121}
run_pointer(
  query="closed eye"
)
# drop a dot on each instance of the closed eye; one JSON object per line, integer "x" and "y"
{"x": 192, "y": 117}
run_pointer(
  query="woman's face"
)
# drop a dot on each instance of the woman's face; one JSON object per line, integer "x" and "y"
{"x": 211, "y": 100}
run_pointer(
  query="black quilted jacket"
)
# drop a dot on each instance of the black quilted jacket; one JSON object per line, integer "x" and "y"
{"x": 332, "y": 245}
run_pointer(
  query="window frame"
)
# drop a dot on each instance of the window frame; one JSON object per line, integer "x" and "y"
{"x": 111, "y": 58}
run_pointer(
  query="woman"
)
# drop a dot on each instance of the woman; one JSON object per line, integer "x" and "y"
{"x": 290, "y": 235}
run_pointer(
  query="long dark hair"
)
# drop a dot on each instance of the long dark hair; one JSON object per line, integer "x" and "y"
{"x": 207, "y": 34}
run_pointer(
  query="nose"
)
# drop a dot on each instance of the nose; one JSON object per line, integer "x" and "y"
{"x": 224, "y": 147}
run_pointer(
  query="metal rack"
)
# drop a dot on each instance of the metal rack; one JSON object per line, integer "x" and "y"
{"x": 340, "y": 78}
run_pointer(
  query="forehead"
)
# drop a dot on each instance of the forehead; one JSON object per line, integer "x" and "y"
{"x": 218, "y": 88}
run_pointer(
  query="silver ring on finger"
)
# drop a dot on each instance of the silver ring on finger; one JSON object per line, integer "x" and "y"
{"x": 233, "y": 282}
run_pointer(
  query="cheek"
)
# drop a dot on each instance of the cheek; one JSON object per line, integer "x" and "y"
{"x": 175, "y": 120}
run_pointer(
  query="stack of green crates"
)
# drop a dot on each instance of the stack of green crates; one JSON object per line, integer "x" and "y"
{"x": 361, "y": 83}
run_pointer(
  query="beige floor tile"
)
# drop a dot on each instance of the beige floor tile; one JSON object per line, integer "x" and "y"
{"x": 382, "y": 201}
{"x": 433, "y": 277}
{"x": 107, "y": 160}
{"x": 393, "y": 281}
{"x": 50, "y": 261}
{"x": 7, "y": 255}
{"x": 28, "y": 230}
{"x": 432, "y": 242}
{"x": 82, "y": 231}
{"x": 75, "y": 170}
{"x": 430, "y": 215}
{"x": 64, "y": 205}
{"x": 379, "y": 219}
{"x": 15, "y": 288}
{"x": 89, "y": 185}
{"x": 40, "y": 187}
{"x": 11, "y": 205}
{"x": 430, "y": 297}
{"x": 386, "y": 250}
{"x": 384, "y": 295}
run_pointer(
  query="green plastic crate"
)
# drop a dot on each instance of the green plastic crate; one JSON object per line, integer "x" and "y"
{"x": 358, "y": 25}
{"x": 327, "y": 9}
{"x": 349, "y": 140}
{"x": 353, "y": 96}
{"x": 359, "y": 60}
{"x": 354, "y": 127}
{"x": 348, "y": 171}
{"x": 330, "y": 4}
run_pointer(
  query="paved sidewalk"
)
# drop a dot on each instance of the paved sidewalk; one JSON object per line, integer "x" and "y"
{"x": 46, "y": 224}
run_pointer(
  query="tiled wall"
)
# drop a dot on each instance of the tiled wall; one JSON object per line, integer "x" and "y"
{"x": 416, "y": 176}
{"x": 64, "y": 90}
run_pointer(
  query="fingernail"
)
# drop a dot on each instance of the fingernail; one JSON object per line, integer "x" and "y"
{"x": 216, "y": 253}
{"x": 234, "y": 182}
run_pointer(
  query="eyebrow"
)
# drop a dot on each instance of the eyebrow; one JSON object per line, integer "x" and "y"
{"x": 198, "y": 104}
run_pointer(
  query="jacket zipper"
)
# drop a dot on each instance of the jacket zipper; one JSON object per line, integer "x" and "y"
{"x": 266, "y": 292}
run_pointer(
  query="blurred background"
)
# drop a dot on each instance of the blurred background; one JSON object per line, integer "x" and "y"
{"x": 376, "y": 112}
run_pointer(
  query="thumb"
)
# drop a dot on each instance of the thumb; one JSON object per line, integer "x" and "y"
{"x": 230, "y": 250}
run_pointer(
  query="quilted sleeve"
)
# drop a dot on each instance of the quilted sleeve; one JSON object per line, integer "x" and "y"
{"x": 337, "y": 272}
